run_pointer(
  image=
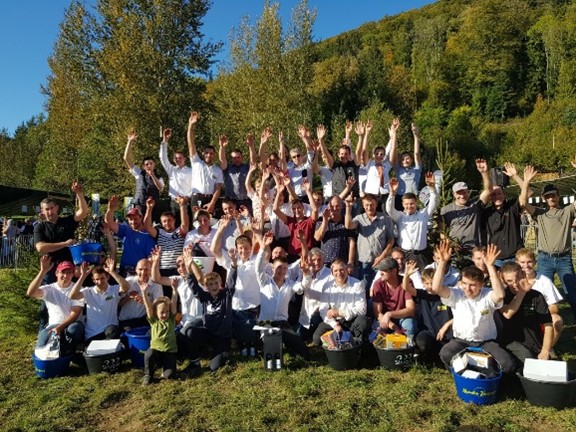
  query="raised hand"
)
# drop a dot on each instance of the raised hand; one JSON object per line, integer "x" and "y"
{"x": 415, "y": 130}
{"x": 132, "y": 136}
{"x": 250, "y": 140}
{"x": 150, "y": 202}
{"x": 181, "y": 200}
{"x": 301, "y": 236}
{"x": 348, "y": 127}
{"x": 266, "y": 134}
{"x": 444, "y": 251}
{"x": 46, "y": 263}
{"x": 85, "y": 269}
{"x": 509, "y": 169}
{"x": 394, "y": 126}
{"x": 109, "y": 265}
{"x": 350, "y": 181}
{"x": 481, "y": 166}
{"x": 301, "y": 131}
{"x": 268, "y": 239}
{"x": 77, "y": 188}
{"x": 411, "y": 268}
{"x": 320, "y": 131}
{"x": 223, "y": 141}
{"x": 529, "y": 173}
{"x": 326, "y": 213}
{"x": 393, "y": 183}
{"x": 114, "y": 202}
{"x": 166, "y": 134}
{"x": 193, "y": 119}
{"x": 430, "y": 179}
{"x": 306, "y": 185}
{"x": 491, "y": 254}
{"x": 360, "y": 128}
{"x": 155, "y": 254}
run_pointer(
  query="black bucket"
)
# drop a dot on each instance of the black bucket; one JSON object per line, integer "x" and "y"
{"x": 396, "y": 358}
{"x": 551, "y": 394}
{"x": 103, "y": 363}
{"x": 345, "y": 359}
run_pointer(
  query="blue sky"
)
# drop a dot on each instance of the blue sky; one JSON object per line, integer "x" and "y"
{"x": 30, "y": 27}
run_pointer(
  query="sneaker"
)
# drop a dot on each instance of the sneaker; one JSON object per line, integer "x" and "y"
{"x": 193, "y": 370}
{"x": 146, "y": 380}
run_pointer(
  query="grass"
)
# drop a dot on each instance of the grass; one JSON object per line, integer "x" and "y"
{"x": 242, "y": 396}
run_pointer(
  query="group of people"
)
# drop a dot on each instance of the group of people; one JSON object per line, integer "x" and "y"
{"x": 352, "y": 254}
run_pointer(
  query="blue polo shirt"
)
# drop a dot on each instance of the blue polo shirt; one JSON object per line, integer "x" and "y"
{"x": 137, "y": 245}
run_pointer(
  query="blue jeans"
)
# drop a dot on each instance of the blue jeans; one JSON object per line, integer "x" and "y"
{"x": 562, "y": 265}
{"x": 70, "y": 338}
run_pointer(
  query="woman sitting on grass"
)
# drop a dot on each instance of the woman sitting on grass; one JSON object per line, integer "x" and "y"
{"x": 163, "y": 347}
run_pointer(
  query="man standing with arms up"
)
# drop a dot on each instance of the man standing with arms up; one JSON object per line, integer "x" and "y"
{"x": 554, "y": 235}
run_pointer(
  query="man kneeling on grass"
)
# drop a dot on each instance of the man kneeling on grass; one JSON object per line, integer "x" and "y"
{"x": 473, "y": 307}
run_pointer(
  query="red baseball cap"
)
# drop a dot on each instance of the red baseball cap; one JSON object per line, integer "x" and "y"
{"x": 133, "y": 212}
{"x": 65, "y": 265}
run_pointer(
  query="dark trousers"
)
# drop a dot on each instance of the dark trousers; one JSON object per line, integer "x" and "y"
{"x": 152, "y": 358}
{"x": 243, "y": 323}
{"x": 200, "y": 335}
{"x": 454, "y": 346}
{"x": 428, "y": 346}
{"x": 111, "y": 332}
{"x": 294, "y": 343}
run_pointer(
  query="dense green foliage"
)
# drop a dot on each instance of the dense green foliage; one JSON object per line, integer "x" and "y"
{"x": 489, "y": 78}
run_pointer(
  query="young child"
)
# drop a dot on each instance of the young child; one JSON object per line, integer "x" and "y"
{"x": 473, "y": 307}
{"x": 163, "y": 347}
{"x": 434, "y": 319}
{"x": 217, "y": 307}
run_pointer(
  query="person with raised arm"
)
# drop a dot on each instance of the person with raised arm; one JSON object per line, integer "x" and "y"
{"x": 460, "y": 219}
{"x": 179, "y": 174}
{"x": 169, "y": 238}
{"x": 554, "y": 238}
{"x": 473, "y": 307}
{"x": 336, "y": 241}
{"x": 101, "y": 300}
{"x": 137, "y": 242}
{"x": 148, "y": 183}
{"x": 235, "y": 173}
{"x": 161, "y": 314}
{"x": 216, "y": 300}
{"x": 208, "y": 177}
{"x": 408, "y": 170}
{"x": 413, "y": 223}
{"x": 63, "y": 312}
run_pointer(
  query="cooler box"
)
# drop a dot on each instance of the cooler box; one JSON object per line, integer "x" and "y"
{"x": 272, "y": 341}
{"x": 52, "y": 367}
{"x": 103, "y": 356}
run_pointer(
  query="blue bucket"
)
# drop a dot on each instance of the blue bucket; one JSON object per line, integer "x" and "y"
{"x": 138, "y": 343}
{"x": 51, "y": 368}
{"x": 475, "y": 390}
{"x": 86, "y": 252}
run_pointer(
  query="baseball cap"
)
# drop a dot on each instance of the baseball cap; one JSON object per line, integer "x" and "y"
{"x": 133, "y": 212}
{"x": 65, "y": 265}
{"x": 549, "y": 189}
{"x": 388, "y": 264}
{"x": 459, "y": 186}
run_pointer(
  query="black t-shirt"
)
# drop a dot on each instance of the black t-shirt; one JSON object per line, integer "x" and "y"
{"x": 340, "y": 173}
{"x": 503, "y": 228}
{"x": 525, "y": 326}
{"x": 432, "y": 314}
{"x": 60, "y": 231}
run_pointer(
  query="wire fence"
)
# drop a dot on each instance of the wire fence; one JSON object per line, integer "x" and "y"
{"x": 16, "y": 251}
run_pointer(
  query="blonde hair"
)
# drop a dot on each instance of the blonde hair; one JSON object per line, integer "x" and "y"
{"x": 157, "y": 302}
{"x": 213, "y": 276}
{"x": 527, "y": 252}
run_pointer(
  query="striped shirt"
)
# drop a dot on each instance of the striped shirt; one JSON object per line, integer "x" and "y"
{"x": 171, "y": 245}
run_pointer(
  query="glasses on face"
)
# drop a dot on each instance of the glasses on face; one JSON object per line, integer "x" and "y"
{"x": 294, "y": 156}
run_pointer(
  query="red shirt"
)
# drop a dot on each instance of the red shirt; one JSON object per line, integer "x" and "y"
{"x": 307, "y": 225}
{"x": 392, "y": 299}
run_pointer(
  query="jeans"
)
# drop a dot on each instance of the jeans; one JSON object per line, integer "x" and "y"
{"x": 70, "y": 338}
{"x": 562, "y": 265}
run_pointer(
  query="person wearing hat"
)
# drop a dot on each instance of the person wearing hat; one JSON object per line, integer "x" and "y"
{"x": 460, "y": 219}
{"x": 554, "y": 235}
{"x": 394, "y": 308}
{"x": 137, "y": 242}
{"x": 63, "y": 312}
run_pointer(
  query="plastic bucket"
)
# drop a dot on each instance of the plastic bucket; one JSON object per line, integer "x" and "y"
{"x": 103, "y": 363}
{"x": 51, "y": 368}
{"x": 475, "y": 390}
{"x": 396, "y": 358}
{"x": 557, "y": 395}
{"x": 205, "y": 264}
{"x": 138, "y": 343}
{"x": 86, "y": 252}
{"x": 343, "y": 359}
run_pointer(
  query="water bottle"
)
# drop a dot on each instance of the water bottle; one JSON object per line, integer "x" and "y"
{"x": 269, "y": 362}
{"x": 278, "y": 361}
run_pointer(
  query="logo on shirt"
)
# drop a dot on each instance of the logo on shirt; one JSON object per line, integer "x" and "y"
{"x": 485, "y": 312}
{"x": 109, "y": 297}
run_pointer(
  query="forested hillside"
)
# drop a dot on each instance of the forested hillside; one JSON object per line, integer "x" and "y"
{"x": 489, "y": 78}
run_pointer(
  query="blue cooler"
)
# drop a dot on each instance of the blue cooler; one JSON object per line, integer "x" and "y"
{"x": 52, "y": 367}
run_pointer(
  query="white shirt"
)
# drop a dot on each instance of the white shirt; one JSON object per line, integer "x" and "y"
{"x": 373, "y": 178}
{"x": 203, "y": 241}
{"x": 274, "y": 299}
{"x": 191, "y": 306}
{"x": 313, "y": 296}
{"x": 412, "y": 229}
{"x": 451, "y": 277}
{"x": 101, "y": 308}
{"x": 133, "y": 309}
{"x": 295, "y": 173}
{"x": 247, "y": 294}
{"x": 349, "y": 299}
{"x": 179, "y": 178}
{"x": 57, "y": 302}
{"x": 546, "y": 287}
{"x": 473, "y": 318}
{"x": 326, "y": 179}
{"x": 205, "y": 178}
